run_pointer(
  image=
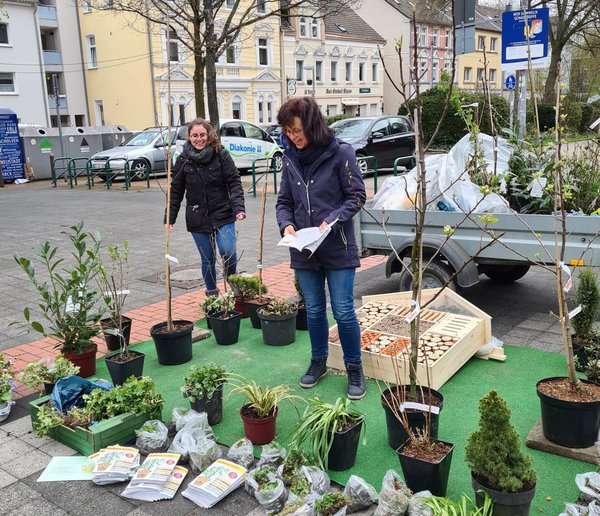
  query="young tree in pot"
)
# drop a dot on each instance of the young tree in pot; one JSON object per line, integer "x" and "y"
{"x": 259, "y": 415}
{"x": 113, "y": 282}
{"x": 203, "y": 387}
{"x": 498, "y": 465}
{"x": 332, "y": 431}
{"x": 248, "y": 295}
{"x": 278, "y": 322}
{"x": 225, "y": 323}
{"x": 301, "y": 322}
{"x": 68, "y": 301}
{"x": 42, "y": 375}
{"x": 585, "y": 342}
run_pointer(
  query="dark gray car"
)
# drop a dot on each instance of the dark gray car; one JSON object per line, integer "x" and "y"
{"x": 384, "y": 137}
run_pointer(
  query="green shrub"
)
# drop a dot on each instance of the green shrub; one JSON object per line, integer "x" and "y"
{"x": 334, "y": 118}
{"x": 546, "y": 113}
{"x": 493, "y": 452}
{"x": 587, "y": 117}
{"x": 588, "y": 296}
{"x": 573, "y": 112}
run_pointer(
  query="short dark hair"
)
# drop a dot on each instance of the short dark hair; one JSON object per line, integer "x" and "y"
{"x": 213, "y": 138}
{"x": 313, "y": 123}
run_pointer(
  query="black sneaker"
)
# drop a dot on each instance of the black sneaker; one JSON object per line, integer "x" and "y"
{"x": 356, "y": 382}
{"x": 316, "y": 369}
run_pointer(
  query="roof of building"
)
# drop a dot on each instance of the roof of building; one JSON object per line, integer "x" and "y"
{"x": 351, "y": 25}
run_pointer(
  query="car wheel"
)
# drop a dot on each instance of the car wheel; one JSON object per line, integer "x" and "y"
{"x": 278, "y": 162}
{"x": 437, "y": 275}
{"x": 362, "y": 165}
{"x": 138, "y": 169}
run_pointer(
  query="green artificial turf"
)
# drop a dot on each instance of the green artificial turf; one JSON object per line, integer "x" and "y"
{"x": 514, "y": 380}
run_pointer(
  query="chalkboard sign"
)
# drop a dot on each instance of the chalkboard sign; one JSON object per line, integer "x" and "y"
{"x": 11, "y": 156}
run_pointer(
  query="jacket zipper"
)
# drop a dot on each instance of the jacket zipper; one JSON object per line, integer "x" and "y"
{"x": 305, "y": 185}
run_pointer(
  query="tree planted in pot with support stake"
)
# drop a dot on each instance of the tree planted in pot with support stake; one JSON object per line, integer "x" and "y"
{"x": 113, "y": 279}
{"x": 203, "y": 387}
{"x": 248, "y": 292}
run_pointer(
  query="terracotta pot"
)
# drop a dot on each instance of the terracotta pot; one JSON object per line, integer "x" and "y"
{"x": 240, "y": 306}
{"x": 259, "y": 430}
{"x": 86, "y": 360}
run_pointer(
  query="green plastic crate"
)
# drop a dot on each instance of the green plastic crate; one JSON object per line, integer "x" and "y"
{"x": 116, "y": 430}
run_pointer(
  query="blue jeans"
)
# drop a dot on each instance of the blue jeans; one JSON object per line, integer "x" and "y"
{"x": 341, "y": 286}
{"x": 224, "y": 240}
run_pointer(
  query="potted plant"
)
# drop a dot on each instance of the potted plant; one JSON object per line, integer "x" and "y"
{"x": 331, "y": 503}
{"x": 247, "y": 289}
{"x": 210, "y": 306}
{"x": 7, "y": 384}
{"x": 498, "y": 465}
{"x": 301, "y": 321}
{"x": 113, "y": 282}
{"x": 278, "y": 322}
{"x": 259, "y": 415}
{"x": 42, "y": 375}
{"x": 68, "y": 301}
{"x": 332, "y": 431}
{"x": 225, "y": 323}
{"x": 295, "y": 459}
{"x": 588, "y": 297}
{"x": 203, "y": 387}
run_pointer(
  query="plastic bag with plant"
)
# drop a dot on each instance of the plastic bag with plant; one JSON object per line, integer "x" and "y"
{"x": 394, "y": 495}
{"x": 319, "y": 479}
{"x": 176, "y": 414}
{"x": 297, "y": 507}
{"x": 272, "y": 453}
{"x": 417, "y": 505}
{"x": 193, "y": 419}
{"x": 152, "y": 437}
{"x": 271, "y": 496}
{"x": 186, "y": 441}
{"x": 258, "y": 476}
{"x": 361, "y": 494}
{"x": 241, "y": 452}
{"x": 295, "y": 459}
{"x": 204, "y": 454}
{"x": 332, "y": 504}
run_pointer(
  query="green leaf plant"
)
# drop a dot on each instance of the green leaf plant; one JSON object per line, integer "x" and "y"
{"x": 202, "y": 381}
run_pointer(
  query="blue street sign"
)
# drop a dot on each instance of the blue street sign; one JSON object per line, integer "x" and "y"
{"x": 525, "y": 33}
{"x": 510, "y": 82}
{"x": 11, "y": 156}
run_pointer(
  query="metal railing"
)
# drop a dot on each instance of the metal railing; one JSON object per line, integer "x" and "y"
{"x": 271, "y": 166}
{"x": 56, "y": 166}
{"x": 409, "y": 165}
{"x": 368, "y": 159}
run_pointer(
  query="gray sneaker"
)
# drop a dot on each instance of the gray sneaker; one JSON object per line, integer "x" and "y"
{"x": 316, "y": 369}
{"x": 356, "y": 381}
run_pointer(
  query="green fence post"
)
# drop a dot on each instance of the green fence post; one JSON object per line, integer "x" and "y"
{"x": 53, "y": 171}
{"x": 253, "y": 178}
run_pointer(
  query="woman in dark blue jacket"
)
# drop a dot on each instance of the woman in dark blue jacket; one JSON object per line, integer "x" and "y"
{"x": 321, "y": 185}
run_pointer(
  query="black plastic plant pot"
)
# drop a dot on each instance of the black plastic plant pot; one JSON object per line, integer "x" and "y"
{"x": 278, "y": 330}
{"x": 416, "y": 419}
{"x": 301, "y": 321}
{"x": 48, "y": 388}
{"x": 342, "y": 454}
{"x": 173, "y": 348}
{"x": 213, "y": 406}
{"x": 253, "y": 306}
{"x": 573, "y": 424}
{"x": 226, "y": 330}
{"x": 422, "y": 475}
{"x": 505, "y": 504}
{"x": 113, "y": 342}
{"x": 120, "y": 371}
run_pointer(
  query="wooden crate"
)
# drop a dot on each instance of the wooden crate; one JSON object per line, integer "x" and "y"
{"x": 449, "y": 315}
{"x": 116, "y": 430}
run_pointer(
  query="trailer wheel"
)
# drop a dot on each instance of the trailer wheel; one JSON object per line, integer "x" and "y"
{"x": 507, "y": 273}
{"x": 437, "y": 275}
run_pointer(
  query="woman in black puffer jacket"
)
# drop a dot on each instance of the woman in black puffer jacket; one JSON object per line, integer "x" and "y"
{"x": 214, "y": 196}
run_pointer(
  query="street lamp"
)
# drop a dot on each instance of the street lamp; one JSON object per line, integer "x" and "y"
{"x": 311, "y": 67}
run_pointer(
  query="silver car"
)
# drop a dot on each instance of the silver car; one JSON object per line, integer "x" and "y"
{"x": 144, "y": 151}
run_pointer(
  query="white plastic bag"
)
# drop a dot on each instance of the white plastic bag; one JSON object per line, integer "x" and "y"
{"x": 176, "y": 414}
{"x": 361, "y": 493}
{"x": 589, "y": 485}
{"x": 186, "y": 440}
{"x": 297, "y": 507}
{"x": 152, "y": 437}
{"x": 242, "y": 453}
{"x": 193, "y": 419}
{"x": 251, "y": 484}
{"x": 490, "y": 346}
{"x": 417, "y": 505}
{"x": 272, "y": 453}
{"x": 319, "y": 479}
{"x": 393, "y": 498}
{"x": 572, "y": 509}
{"x": 271, "y": 496}
{"x": 204, "y": 454}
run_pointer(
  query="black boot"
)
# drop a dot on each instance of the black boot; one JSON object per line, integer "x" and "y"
{"x": 316, "y": 369}
{"x": 356, "y": 381}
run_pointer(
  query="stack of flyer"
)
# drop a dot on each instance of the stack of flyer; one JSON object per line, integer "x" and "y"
{"x": 215, "y": 483}
{"x": 114, "y": 464}
{"x": 158, "y": 478}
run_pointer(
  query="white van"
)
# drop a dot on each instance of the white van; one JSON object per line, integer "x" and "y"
{"x": 245, "y": 142}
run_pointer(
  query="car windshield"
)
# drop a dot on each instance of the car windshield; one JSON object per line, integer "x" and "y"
{"x": 143, "y": 138}
{"x": 350, "y": 128}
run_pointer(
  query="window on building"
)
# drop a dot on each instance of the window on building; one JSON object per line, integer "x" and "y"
{"x": 434, "y": 37}
{"x": 302, "y": 27}
{"x": 314, "y": 28}
{"x": 446, "y": 37}
{"x": 361, "y": 72}
{"x": 263, "y": 51}
{"x": 172, "y": 113}
{"x": 261, "y": 111}
{"x": 331, "y": 110}
{"x": 79, "y": 120}
{"x": 349, "y": 72}
{"x": 319, "y": 71}
{"x": 284, "y": 9}
{"x": 423, "y": 36}
{"x": 468, "y": 74}
{"x": 65, "y": 121}
{"x": 374, "y": 110}
{"x": 480, "y": 74}
{"x": 182, "y": 119}
{"x": 334, "y": 71}
{"x": 229, "y": 4}
{"x": 270, "y": 111}
{"x": 493, "y": 44}
{"x": 434, "y": 72}
{"x": 375, "y": 72}
{"x": 92, "y": 55}
{"x": 99, "y": 111}
{"x": 236, "y": 108}
{"x": 299, "y": 70}
{"x": 4, "y": 34}
{"x": 7, "y": 82}
{"x": 493, "y": 75}
{"x": 86, "y": 6}
{"x": 173, "y": 46}
{"x": 480, "y": 42}
{"x": 261, "y": 6}
{"x": 230, "y": 54}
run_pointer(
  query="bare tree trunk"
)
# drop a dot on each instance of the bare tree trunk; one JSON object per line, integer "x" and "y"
{"x": 550, "y": 87}
{"x": 211, "y": 88}
{"x": 199, "y": 84}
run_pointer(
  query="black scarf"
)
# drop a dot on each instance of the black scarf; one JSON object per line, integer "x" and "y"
{"x": 306, "y": 157}
{"x": 201, "y": 157}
